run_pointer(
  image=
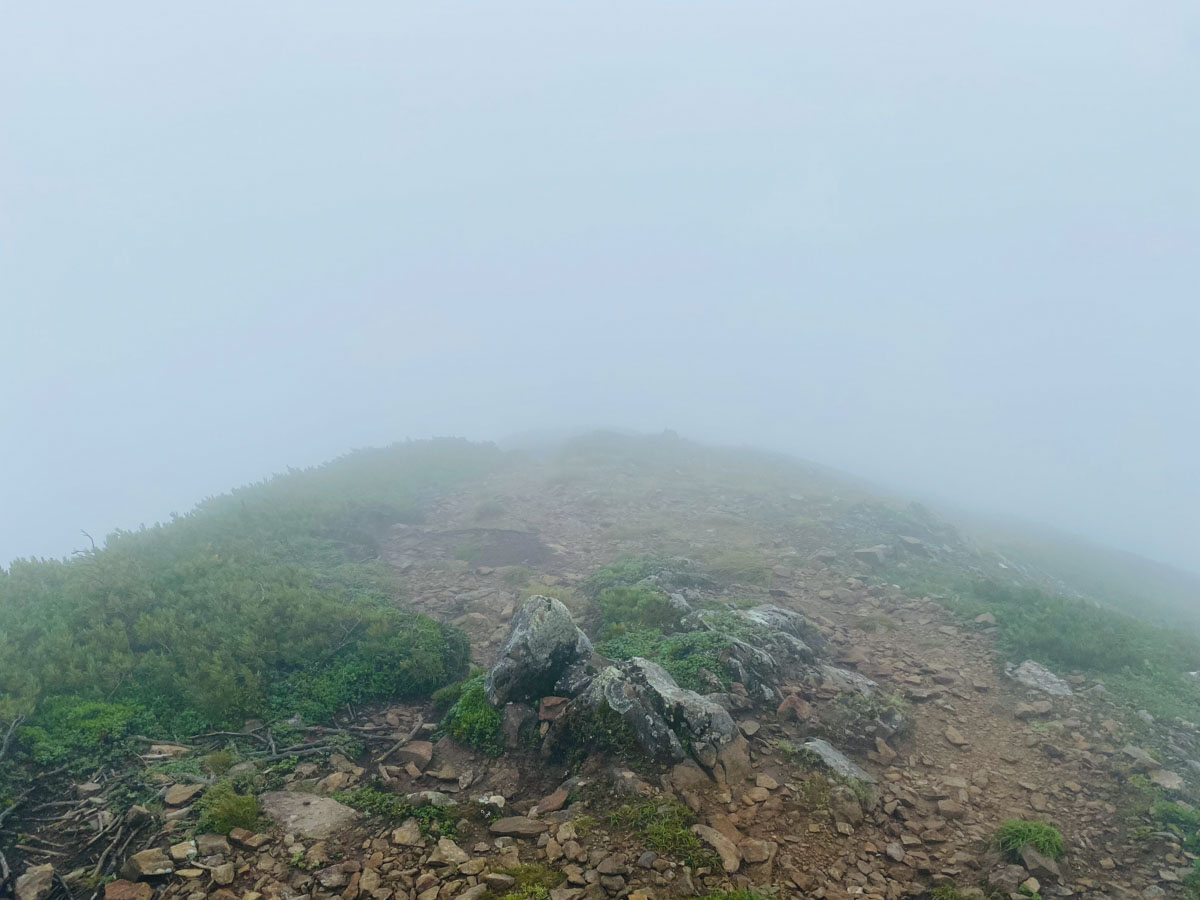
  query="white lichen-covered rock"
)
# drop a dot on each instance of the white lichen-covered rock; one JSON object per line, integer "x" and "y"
{"x": 1036, "y": 676}
{"x": 662, "y": 717}
{"x": 545, "y": 653}
{"x": 788, "y": 627}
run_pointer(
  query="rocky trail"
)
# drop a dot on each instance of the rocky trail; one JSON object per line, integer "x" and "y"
{"x": 875, "y": 756}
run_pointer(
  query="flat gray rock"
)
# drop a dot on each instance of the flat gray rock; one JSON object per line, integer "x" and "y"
{"x": 1039, "y": 678}
{"x": 836, "y": 761}
{"x": 307, "y": 815}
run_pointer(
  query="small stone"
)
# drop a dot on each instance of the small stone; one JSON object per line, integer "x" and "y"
{"x": 1040, "y": 865}
{"x": 36, "y": 883}
{"x": 550, "y": 708}
{"x": 447, "y": 853}
{"x": 148, "y": 863}
{"x": 419, "y": 753}
{"x": 182, "y": 851}
{"x": 473, "y": 866}
{"x": 554, "y": 802}
{"x": 122, "y": 889}
{"x": 408, "y": 834}
{"x": 749, "y": 727}
{"x": 498, "y": 882}
{"x": 895, "y": 852}
{"x": 731, "y": 858}
{"x": 766, "y": 781}
{"x": 212, "y": 844}
{"x": 517, "y": 826}
{"x": 951, "y": 809}
{"x": 955, "y": 737}
{"x": 182, "y": 794}
{"x": 754, "y": 850}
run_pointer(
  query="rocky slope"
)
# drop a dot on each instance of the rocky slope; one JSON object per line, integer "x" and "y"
{"x": 861, "y": 740}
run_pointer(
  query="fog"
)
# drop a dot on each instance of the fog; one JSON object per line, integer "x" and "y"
{"x": 949, "y": 247}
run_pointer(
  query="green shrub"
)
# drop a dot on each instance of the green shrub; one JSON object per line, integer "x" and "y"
{"x": 1014, "y": 834}
{"x": 222, "y": 809}
{"x": 1191, "y": 883}
{"x": 80, "y": 733}
{"x": 220, "y": 762}
{"x": 689, "y": 656}
{"x": 445, "y": 697}
{"x": 625, "y": 608}
{"x": 473, "y": 721}
{"x": 947, "y": 892}
{"x": 268, "y": 599}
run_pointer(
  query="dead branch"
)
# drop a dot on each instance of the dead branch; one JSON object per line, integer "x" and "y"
{"x": 8, "y": 735}
{"x": 412, "y": 734}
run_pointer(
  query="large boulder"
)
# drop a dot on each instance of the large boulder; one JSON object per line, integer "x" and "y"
{"x": 545, "y": 653}
{"x": 307, "y": 815}
{"x": 661, "y": 716}
{"x": 788, "y": 628}
{"x": 1039, "y": 678}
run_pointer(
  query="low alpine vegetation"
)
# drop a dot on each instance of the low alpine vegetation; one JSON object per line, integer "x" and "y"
{"x": 473, "y": 721}
{"x": 1014, "y": 834}
{"x": 394, "y": 809}
{"x": 665, "y": 826}
{"x": 223, "y": 809}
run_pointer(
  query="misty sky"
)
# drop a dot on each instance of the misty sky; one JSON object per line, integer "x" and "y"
{"x": 951, "y": 247}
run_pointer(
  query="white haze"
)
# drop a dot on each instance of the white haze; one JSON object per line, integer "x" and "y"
{"x": 951, "y": 247}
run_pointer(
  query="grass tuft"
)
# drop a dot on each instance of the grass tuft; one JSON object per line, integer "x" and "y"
{"x": 1014, "y": 834}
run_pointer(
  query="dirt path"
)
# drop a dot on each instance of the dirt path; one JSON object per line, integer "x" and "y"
{"x": 982, "y": 751}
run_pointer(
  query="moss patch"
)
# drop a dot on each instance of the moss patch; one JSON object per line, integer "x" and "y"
{"x": 473, "y": 721}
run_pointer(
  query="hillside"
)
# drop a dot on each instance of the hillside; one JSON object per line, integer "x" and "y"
{"x": 617, "y": 667}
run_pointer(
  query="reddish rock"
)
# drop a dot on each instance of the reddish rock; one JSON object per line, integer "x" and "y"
{"x": 554, "y": 802}
{"x": 551, "y": 708}
{"x": 794, "y": 706}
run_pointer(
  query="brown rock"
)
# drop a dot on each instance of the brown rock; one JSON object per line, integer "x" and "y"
{"x": 36, "y": 883}
{"x": 551, "y": 708}
{"x": 731, "y": 858}
{"x": 147, "y": 863}
{"x": 554, "y": 802}
{"x": 182, "y": 794}
{"x": 517, "y": 826}
{"x": 955, "y": 737}
{"x": 754, "y": 850}
{"x": 419, "y": 753}
{"x": 794, "y": 707}
{"x": 128, "y": 890}
{"x": 447, "y": 853}
{"x": 408, "y": 834}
